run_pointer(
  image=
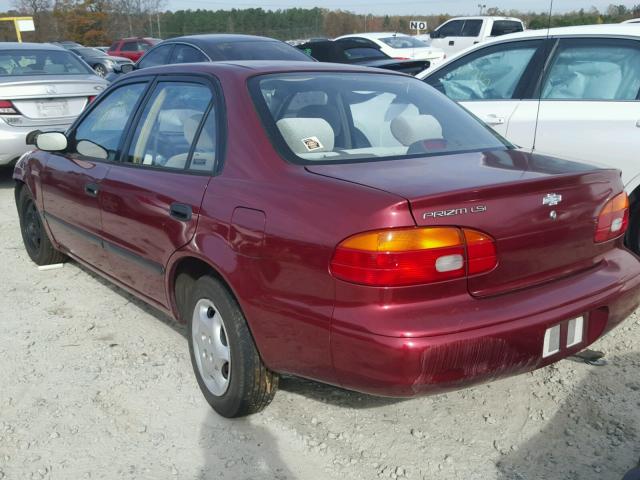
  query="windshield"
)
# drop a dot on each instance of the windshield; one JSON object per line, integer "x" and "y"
{"x": 89, "y": 52}
{"x": 401, "y": 42}
{"x": 41, "y": 62}
{"x": 341, "y": 117}
{"x": 256, "y": 50}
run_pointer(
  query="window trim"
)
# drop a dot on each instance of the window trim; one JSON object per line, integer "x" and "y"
{"x": 526, "y": 86}
{"x": 175, "y": 44}
{"x": 217, "y": 100}
{"x": 586, "y": 41}
{"x": 71, "y": 132}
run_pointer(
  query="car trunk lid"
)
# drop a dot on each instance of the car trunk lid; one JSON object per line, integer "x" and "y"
{"x": 509, "y": 195}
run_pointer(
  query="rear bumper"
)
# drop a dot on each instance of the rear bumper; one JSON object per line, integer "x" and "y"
{"x": 13, "y": 140}
{"x": 470, "y": 353}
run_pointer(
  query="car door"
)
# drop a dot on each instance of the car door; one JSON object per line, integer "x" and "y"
{"x": 494, "y": 82}
{"x": 152, "y": 197}
{"x": 72, "y": 180}
{"x": 590, "y": 103}
{"x": 446, "y": 36}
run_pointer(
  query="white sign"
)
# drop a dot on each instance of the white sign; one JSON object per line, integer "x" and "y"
{"x": 417, "y": 25}
{"x": 26, "y": 26}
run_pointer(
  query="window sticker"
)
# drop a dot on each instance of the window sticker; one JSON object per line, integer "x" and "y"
{"x": 312, "y": 143}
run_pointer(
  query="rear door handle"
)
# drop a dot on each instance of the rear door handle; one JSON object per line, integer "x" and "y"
{"x": 92, "y": 189}
{"x": 493, "y": 119}
{"x": 181, "y": 212}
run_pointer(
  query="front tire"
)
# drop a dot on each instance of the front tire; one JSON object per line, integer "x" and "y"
{"x": 34, "y": 236}
{"x": 224, "y": 357}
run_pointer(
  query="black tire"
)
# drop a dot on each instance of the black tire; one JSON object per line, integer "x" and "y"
{"x": 632, "y": 237}
{"x": 100, "y": 70}
{"x": 250, "y": 386}
{"x": 34, "y": 235}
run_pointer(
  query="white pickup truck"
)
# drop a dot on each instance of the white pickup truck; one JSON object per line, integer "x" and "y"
{"x": 462, "y": 32}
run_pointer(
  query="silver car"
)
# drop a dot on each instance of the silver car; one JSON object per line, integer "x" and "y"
{"x": 42, "y": 87}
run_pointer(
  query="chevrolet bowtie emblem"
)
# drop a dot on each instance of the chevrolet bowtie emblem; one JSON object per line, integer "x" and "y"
{"x": 551, "y": 199}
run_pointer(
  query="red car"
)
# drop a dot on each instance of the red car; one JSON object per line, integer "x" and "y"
{"x": 338, "y": 223}
{"x": 132, "y": 48}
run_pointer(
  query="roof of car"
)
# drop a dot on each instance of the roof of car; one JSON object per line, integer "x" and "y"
{"x": 375, "y": 35}
{"x": 619, "y": 29}
{"x": 483, "y": 17}
{"x": 255, "y": 67}
{"x": 212, "y": 38}
{"x": 28, "y": 46}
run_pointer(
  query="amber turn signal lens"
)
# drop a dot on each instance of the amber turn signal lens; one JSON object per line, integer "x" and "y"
{"x": 613, "y": 219}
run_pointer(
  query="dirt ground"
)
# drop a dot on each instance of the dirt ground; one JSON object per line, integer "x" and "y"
{"x": 95, "y": 384}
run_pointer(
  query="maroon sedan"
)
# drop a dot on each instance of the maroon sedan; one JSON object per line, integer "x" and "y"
{"x": 338, "y": 223}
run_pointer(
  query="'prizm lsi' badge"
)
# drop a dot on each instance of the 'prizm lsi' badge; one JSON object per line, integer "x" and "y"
{"x": 551, "y": 199}
{"x": 454, "y": 211}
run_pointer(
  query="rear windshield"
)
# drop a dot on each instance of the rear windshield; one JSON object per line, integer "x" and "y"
{"x": 403, "y": 42}
{"x": 334, "y": 117}
{"x": 41, "y": 62}
{"x": 256, "y": 50}
{"x": 503, "y": 27}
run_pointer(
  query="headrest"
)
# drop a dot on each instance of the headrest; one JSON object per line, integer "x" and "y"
{"x": 307, "y": 135}
{"x": 326, "y": 112}
{"x": 408, "y": 129}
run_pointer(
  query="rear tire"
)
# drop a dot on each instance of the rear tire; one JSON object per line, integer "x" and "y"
{"x": 34, "y": 236}
{"x": 100, "y": 70}
{"x": 224, "y": 357}
{"x": 632, "y": 238}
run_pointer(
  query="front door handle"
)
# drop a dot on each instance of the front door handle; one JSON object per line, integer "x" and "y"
{"x": 181, "y": 212}
{"x": 92, "y": 189}
{"x": 493, "y": 119}
{"x": 451, "y": 43}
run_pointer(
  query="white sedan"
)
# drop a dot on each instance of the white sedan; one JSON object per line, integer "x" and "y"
{"x": 400, "y": 46}
{"x": 572, "y": 92}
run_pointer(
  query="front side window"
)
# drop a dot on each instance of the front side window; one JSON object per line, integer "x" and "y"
{"x": 22, "y": 63}
{"x": 100, "y": 132}
{"x": 401, "y": 42}
{"x": 594, "y": 70}
{"x": 363, "y": 117}
{"x": 157, "y": 56}
{"x": 451, "y": 29}
{"x": 131, "y": 46}
{"x": 169, "y": 124}
{"x": 492, "y": 73}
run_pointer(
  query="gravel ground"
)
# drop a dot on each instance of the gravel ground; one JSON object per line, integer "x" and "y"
{"x": 95, "y": 384}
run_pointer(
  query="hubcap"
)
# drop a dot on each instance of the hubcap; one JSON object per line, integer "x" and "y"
{"x": 33, "y": 227}
{"x": 211, "y": 347}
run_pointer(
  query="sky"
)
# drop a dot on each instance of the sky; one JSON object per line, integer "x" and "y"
{"x": 392, "y": 7}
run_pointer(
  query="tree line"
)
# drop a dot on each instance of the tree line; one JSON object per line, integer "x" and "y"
{"x": 99, "y": 22}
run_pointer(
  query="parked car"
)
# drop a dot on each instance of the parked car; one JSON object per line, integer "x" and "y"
{"x": 132, "y": 48}
{"x": 103, "y": 49}
{"x": 352, "y": 51}
{"x": 217, "y": 48}
{"x": 216, "y": 192}
{"x": 41, "y": 87}
{"x": 102, "y": 63}
{"x": 633, "y": 20}
{"x": 462, "y": 32}
{"x": 399, "y": 46}
{"x": 586, "y": 107}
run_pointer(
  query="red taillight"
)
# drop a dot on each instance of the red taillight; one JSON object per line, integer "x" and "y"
{"x": 412, "y": 256}
{"x": 92, "y": 98}
{"x": 7, "y": 108}
{"x": 613, "y": 218}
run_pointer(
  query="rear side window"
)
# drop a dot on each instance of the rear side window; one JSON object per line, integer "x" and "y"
{"x": 100, "y": 132}
{"x": 157, "y": 56}
{"x": 504, "y": 27}
{"x": 492, "y": 73}
{"x": 131, "y": 46}
{"x": 169, "y": 126}
{"x": 594, "y": 70}
{"x": 347, "y": 117}
{"x": 471, "y": 28}
{"x": 187, "y": 54}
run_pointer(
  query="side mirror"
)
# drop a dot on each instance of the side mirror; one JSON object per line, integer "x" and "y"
{"x": 51, "y": 141}
{"x": 127, "y": 67}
